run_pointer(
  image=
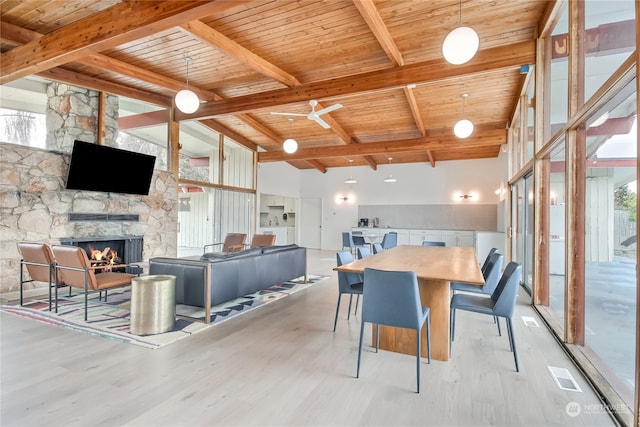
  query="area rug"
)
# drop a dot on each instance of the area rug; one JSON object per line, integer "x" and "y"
{"x": 111, "y": 319}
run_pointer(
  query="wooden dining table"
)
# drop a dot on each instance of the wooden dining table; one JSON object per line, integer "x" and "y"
{"x": 435, "y": 267}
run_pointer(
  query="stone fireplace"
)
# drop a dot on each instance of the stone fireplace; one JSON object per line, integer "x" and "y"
{"x": 125, "y": 249}
{"x": 36, "y": 207}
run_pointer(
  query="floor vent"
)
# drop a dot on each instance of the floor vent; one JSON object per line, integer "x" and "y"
{"x": 530, "y": 322}
{"x": 563, "y": 379}
{"x": 102, "y": 217}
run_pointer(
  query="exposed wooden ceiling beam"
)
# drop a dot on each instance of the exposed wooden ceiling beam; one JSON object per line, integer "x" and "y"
{"x": 437, "y": 70}
{"x": 256, "y": 125}
{"x": 372, "y": 163}
{"x": 214, "y": 38}
{"x": 212, "y": 124}
{"x": 371, "y": 16}
{"x": 316, "y": 164}
{"x": 431, "y": 159}
{"x": 209, "y": 35}
{"x": 103, "y": 30}
{"x": 448, "y": 142}
{"x": 143, "y": 120}
{"x": 82, "y": 80}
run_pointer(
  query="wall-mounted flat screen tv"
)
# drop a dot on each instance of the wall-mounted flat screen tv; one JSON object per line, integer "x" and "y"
{"x": 96, "y": 167}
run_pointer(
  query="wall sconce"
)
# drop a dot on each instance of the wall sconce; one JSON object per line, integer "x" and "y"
{"x": 465, "y": 196}
{"x": 345, "y": 198}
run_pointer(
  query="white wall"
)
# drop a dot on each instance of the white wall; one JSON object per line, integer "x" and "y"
{"x": 417, "y": 183}
{"x": 279, "y": 178}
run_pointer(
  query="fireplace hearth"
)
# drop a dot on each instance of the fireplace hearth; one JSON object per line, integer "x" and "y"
{"x": 125, "y": 249}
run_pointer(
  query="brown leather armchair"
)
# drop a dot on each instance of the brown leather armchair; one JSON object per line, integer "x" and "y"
{"x": 74, "y": 269}
{"x": 233, "y": 242}
{"x": 39, "y": 261}
{"x": 263, "y": 240}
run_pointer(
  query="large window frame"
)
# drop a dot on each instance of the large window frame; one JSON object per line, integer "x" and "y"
{"x": 580, "y": 108}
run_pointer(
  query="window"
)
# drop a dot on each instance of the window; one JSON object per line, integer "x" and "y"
{"x": 610, "y": 240}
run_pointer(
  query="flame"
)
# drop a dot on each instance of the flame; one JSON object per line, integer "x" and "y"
{"x": 107, "y": 254}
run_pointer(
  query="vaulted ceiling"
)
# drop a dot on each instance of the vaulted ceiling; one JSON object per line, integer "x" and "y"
{"x": 380, "y": 59}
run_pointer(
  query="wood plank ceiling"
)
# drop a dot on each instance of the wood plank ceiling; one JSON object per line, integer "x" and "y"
{"x": 251, "y": 58}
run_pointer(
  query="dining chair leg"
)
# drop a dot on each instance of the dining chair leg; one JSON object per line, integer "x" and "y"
{"x": 510, "y": 336}
{"x": 360, "y": 349}
{"x": 515, "y": 354}
{"x": 498, "y": 323}
{"x": 429, "y": 338}
{"x": 452, "y": 325}
{"x": 349, "y": 311}
{"x": 418, "y": 336}
{"x": 357, "y": 301}
{"x": 377, "y": 337}
{"x": 335, "y": 321}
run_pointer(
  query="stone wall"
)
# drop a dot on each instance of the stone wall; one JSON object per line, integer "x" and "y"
{"x": 72, "y": 113}
{"x": 34, "y": 206}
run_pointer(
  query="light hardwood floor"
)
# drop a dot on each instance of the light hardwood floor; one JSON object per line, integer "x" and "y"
{"x": 282, "y": 365}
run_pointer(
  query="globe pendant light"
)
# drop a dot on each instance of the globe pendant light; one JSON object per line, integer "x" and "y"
{"x": 186, "y": 100}
{"x": 461, "y": 44}
{"x": 390, "y": 178}
{"x": 290, "y": 145}
{"x": 351, "y": 179}
{"x": 464, "y": 127}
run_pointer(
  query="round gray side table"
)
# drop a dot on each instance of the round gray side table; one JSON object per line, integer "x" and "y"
{"x": 153, "y": 304}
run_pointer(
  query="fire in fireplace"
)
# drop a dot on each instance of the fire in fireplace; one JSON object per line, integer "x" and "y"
{"x": 110, "y": 251}
{"x": 106, "y": 257}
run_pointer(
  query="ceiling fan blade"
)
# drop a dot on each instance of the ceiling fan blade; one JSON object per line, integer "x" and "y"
{"x": 321, "y": 122}
{"x": 289, "y": 114}
{"x": 329, "y": 109}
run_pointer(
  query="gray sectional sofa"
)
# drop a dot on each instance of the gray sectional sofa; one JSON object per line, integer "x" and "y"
{"x": 224, "y": 277}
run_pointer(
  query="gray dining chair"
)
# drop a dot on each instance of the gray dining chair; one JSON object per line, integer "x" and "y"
{"x": 491, "y": 273}
{"x": 392, "y": 298}
{"x": 432, "y": 243}
{"x": 501, "y": 303}
{"x": 363, "y": 252}
{"x": 390, "y": 240}
{"x": 348, "y": 283}
{"x": 488, "y": 257}
{"x": 377, "y": 248}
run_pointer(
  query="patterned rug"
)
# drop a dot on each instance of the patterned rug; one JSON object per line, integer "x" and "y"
{"x": 112, "y": 319}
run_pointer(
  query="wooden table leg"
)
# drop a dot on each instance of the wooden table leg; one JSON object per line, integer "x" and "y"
{"x": 434, "y": 294}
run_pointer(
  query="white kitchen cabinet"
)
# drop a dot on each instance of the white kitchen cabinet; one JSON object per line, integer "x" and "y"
{"x": 458, "y": 238}
{"x": 272, "y": 200}
{"x": 289, "y": 204}
{"x": 417, "y": 236}
{"x": 291, "y": 235}
{"x": 280, "y": 233}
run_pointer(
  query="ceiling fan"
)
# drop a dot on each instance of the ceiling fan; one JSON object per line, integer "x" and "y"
{"x": 314, "y": 115}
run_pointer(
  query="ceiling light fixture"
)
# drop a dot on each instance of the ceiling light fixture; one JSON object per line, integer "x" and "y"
{"x": 186, "y": 100}
{"x": 461, "y": 44}
{"x": 290, "y": 145}
{"x": 464, "y": 127}
{"x": 390, "y": 178}
{"x": 351, "y": 179}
